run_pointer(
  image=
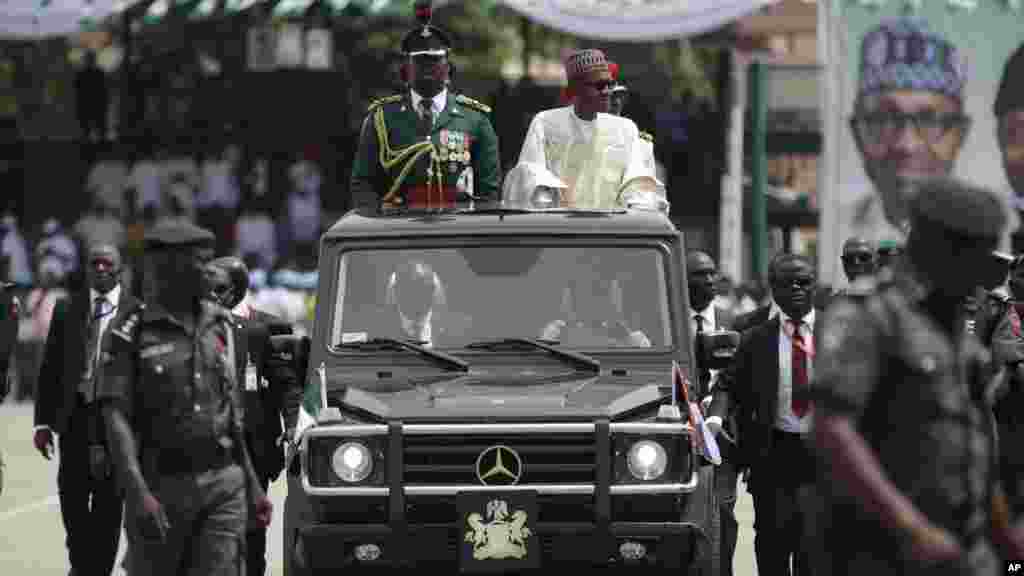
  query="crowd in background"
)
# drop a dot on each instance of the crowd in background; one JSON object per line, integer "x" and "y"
{"x": 276, "y": 234}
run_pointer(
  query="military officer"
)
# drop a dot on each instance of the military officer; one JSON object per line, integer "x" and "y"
{"x": 901, "y": 421}
{"x": 272, "y": 388}
{"x": 174, "y": 414}
{"x": 428, "y": 147}
{"x": 619, "y": 97}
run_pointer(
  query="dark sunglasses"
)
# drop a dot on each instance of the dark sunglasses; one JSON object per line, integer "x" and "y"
{"x": 859, "y": 258}
{"x": 798, "y": 282}
{"x": 600, "y": 85}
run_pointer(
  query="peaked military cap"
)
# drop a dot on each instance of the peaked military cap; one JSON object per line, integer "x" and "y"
{"x": 175, "y": 235}
{"x": 426, "y": 39}
{"x": 959, "y": 207}
{"x": 1011, "y": 88}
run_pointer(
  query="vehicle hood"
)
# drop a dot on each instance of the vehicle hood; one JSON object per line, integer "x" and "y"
{"x": 509, "y": 396}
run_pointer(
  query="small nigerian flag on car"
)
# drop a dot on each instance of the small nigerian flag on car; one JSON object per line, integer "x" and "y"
{"x": 314, "y": 399}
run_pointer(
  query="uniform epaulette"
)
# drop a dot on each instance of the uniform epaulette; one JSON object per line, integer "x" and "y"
{"x": 382, "y": 101}
{"x": 647, "y": 137}
{"x": 467, "y": 101}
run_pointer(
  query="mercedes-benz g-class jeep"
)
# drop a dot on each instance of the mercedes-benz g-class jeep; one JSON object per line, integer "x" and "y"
{"x": 500, "y": 397}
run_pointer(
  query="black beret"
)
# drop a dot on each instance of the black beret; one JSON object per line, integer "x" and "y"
{"x": 959, "y": 207}
{"x": 1011, "y": 88}
{"x": 177, "y": 234}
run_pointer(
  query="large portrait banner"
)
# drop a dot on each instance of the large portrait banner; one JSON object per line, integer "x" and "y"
{"x": 926, "y": 89}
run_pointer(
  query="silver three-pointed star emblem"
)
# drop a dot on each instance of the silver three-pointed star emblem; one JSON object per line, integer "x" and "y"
{"x": 499, "y": 466}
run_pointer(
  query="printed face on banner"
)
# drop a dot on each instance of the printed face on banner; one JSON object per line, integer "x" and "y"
{"x": 918, "y": 95}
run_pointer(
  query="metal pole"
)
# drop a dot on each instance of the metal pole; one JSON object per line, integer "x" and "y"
{"x": 759, "y": 169}
{"x": 730, "y": 257}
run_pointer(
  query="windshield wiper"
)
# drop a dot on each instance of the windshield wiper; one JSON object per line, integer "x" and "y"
{"x": 581, "y": 361}
{"x": 382, "y": 343}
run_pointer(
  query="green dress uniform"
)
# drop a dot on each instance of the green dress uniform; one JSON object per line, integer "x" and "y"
{"x": 397, "y": 165}
{"x": 180, "y": 393}
{"x": 408, "y": 159}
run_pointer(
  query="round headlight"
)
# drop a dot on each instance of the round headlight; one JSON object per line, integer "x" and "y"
{"x": 544, "y": 197}
{"x": 352, "y": 462}
{"x": 647, "y": 460}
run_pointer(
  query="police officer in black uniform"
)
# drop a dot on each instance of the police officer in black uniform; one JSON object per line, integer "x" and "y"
{"x": 174, "y": 411}
{"x": 272, "y": 389}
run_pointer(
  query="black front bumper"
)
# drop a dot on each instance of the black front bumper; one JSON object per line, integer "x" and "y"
{"x": 332, "y": 546}
{"x": 413, "y": 528}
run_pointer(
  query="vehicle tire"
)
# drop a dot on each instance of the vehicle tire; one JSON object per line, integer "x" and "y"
{"x": 702, "y": 509}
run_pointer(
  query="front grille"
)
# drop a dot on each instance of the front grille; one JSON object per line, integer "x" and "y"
{"x": 547, "y": 459}
{"x": 565, "y": 508}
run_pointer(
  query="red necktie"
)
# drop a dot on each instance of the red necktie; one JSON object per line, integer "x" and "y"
{"x": 800, "y": 384}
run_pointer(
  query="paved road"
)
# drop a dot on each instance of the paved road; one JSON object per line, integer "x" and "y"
{"x": 32, "y": 536}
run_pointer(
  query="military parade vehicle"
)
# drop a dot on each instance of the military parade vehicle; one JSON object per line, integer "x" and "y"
{"x": 500, "y": 390}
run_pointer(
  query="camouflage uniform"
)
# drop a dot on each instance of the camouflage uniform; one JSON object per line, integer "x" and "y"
{"x": 913, "y": 394}
{"x": 180, "y": 392}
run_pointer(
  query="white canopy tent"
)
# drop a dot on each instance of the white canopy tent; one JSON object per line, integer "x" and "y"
{"x": 48, "y": 18}
{"x": 613, "y": 20}
{"x": 635, "y": 20}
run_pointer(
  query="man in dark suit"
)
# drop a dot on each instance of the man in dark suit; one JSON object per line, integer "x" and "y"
{"x": 90, "y": 499}
{"x": 272, "y": 389}
{"x": 702, "y": 275}
{"x": 768, "y": 388}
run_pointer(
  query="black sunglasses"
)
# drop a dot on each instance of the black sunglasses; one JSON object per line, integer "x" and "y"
{"x": 859, "y": 258}
{"x": 601, "y": 85}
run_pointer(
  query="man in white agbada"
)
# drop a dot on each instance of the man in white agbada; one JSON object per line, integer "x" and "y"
{"x": 597, "y": 155}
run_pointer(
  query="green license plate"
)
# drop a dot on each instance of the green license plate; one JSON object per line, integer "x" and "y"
{"x": 496, "y": 532}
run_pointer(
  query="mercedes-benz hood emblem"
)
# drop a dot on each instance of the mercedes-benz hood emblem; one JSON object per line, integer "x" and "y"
{"x": 499, "y": 466}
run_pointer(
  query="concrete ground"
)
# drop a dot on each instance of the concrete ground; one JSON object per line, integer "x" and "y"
{"x": 32, "y": 535}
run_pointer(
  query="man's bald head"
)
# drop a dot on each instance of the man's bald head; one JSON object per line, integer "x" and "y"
{"x": 103, "y": 270}
{"x": 702, "y": 278}
{"x": 859, "y": 258}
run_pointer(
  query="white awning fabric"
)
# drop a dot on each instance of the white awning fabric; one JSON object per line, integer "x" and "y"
{"x": 46, "y": 18}
{"x": 611, "y": 20}
{"x": 635, "y": 20}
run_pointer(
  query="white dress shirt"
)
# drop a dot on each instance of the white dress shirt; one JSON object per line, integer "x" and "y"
{"x": 785, "y": 419}
{"x": 437, "y": 103}
{"x": 709, "y": 316}
{"x": 710, "y": 322}
{"x": 113, "y": 299}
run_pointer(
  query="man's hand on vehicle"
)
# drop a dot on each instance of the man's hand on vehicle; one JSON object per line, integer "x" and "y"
{"x": 43, "y": 441}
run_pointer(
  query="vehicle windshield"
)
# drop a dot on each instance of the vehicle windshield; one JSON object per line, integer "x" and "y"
{"x": 588, "y": 298}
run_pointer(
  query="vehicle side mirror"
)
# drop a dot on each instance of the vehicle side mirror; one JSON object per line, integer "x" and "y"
{"x": 719, "y": 348}
{"x": 292, "y": 350}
